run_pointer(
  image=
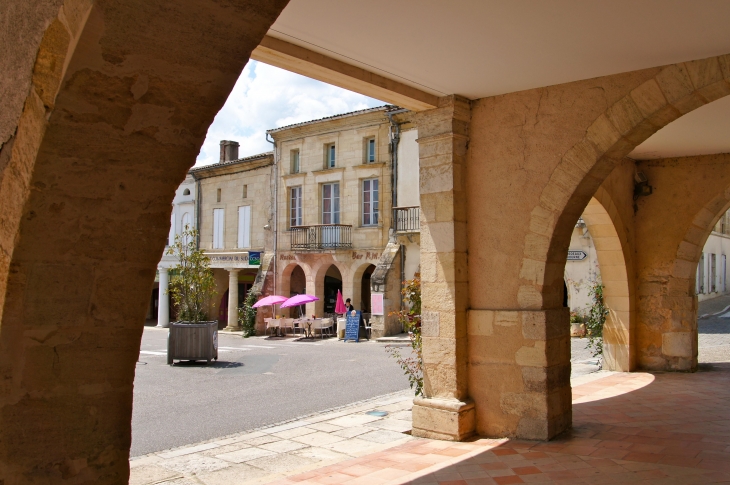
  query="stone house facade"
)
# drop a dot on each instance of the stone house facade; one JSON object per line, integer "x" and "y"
{"x": 318, "y": 212}
{"x": 337, "y": 228}
{"x": 230, "y": 204}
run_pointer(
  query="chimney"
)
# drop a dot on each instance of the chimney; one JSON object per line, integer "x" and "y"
{"x": 229, "y": 151}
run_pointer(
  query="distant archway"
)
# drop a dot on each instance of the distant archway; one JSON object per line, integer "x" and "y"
{"x": 331, "y": 284}
{"x": 612, "y": 253}
{"x": 365, "y": 288}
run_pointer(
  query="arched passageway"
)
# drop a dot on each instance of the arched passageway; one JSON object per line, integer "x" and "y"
{"x": 331, "y": 284}
{"x": 297, "y": 286}
{"x": 508, "y": 322}
{"x": 365, "y": 288}
{"x": 612, "y": 253}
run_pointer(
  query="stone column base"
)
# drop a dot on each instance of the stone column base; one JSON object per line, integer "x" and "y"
{"x": 231, "y": 329}
{"x": 443, "y": 419}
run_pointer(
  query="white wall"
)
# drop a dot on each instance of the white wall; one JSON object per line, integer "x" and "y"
{"x": 581, "y": 275}
{"x": 408, "y": 180}
{"x": 719, "y": 245}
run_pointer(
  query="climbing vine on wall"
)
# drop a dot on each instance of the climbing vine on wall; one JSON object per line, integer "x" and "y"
{"x": 595, "y": 320}
{"x": 410, "y": 318}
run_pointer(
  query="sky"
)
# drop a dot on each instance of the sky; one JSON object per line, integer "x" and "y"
{"x": 267, "y": 97}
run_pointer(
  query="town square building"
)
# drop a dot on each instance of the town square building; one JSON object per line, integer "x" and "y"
{"x": 333, "y": 227}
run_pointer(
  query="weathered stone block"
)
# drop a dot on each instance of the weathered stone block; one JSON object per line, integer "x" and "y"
{"x": 648, "y": 97}
{"x": 704, "y": 72}
{"x": 443, "y": 419}
{"x": 625, "y": 115}
{"x": 677, "y": 344}
{"x": 675, "y": 83}
{"x": 602, "y": 133}
{"x": 430, "y": 324}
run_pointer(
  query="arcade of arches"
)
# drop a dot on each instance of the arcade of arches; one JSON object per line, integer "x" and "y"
{"x": 322, "y": 275}
{"x": 106, "y": 115}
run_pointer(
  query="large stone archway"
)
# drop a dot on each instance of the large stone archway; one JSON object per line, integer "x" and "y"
{"x": 533, "y": 162}
{"x": 114, "y": 112}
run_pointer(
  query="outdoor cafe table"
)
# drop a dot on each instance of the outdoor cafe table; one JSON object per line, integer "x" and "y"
{"x": 308, "y": 329}
{"x": 273, "y": 323}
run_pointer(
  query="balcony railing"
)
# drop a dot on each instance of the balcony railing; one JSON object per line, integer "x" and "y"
{"x": 321, "y": 236}
{"x": 407, "y": 219}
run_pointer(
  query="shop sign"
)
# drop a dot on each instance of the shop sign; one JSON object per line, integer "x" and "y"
{"x": 254, "y": 258}
{"x": 576, "y": 255}
{"x": 367, "y": 256}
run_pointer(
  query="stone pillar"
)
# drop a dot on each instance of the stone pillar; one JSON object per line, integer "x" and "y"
{"x": 163, "y": 300}
{"x": 446, "y": 412}
{"x": 232, "y": 300}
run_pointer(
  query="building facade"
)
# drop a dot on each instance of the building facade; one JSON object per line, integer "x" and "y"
{"x": 340, "y": 181}
{"x": 334, "y": 207}
{"x": 230, "y": 204}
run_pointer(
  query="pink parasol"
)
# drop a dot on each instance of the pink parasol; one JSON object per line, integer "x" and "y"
{"x": 299, "y": 300}
{"x": 340, "y": 305}
{"x": 269, "y": 301}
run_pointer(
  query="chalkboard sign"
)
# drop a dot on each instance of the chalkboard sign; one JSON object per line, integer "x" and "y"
{"x": 352, "y": 330}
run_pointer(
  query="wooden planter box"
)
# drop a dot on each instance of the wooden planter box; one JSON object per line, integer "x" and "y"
{"x": 192, "y": 341}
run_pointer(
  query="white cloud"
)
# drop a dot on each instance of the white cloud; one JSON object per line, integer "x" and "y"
{"x": 267, "y": 97}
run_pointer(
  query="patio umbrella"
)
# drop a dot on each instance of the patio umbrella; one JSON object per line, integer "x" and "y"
{"x": 299, "y": 300}
{"x": 270, "y": 300}
{"x": 340, "y": 305}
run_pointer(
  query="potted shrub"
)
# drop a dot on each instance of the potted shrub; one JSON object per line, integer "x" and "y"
{"x": 577, "y": 327}
{"x": 192, "y": 286}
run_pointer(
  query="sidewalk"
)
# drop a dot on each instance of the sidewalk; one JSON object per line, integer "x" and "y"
{"x": 273, "y": 452}
{"x": 633, "y": 428}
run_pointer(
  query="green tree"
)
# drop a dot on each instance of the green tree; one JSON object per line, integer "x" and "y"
{"x": 192, "y": 285}
{"x": 247, "y": 315}
{"x": 595, "y": 320}
{"x": 410, "y": 318}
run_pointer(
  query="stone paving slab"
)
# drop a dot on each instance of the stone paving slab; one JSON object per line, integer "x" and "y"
{"x": 270, "y": 453}
{"x": 628, "y": 428}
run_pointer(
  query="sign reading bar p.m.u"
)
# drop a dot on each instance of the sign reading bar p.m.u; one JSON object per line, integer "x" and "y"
{"x": 576, "y": 255}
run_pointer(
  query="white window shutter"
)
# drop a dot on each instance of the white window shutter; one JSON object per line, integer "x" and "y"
{"x": 244, "y": 226}
{"x": 218, "y": 220}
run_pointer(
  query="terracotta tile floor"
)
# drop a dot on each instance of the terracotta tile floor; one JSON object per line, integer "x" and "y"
{"x": 634, "y": 428}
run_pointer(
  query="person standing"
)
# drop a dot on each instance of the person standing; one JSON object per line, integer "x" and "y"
{"x": 348, "y": 304}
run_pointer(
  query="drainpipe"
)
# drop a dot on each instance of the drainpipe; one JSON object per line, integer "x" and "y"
{"x": 394, "y": 140}
{"x": 198, "y": 196}
{"x": 276, "y": 205}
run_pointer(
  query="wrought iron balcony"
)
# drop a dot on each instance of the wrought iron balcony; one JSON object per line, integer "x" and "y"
{"x": 321, "y": 236}
{"x": 407, "y": 219}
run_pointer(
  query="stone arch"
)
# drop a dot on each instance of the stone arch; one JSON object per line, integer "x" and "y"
{"x": 673, "y": 91}
{"x": 690, "y": 248}
{"x": 113, "y": 116}
{"x": 319, "y": 283}
{"x": 615, "y": 260}
{"x": 357, "y": 289}
{"x": 285, "y": 280}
